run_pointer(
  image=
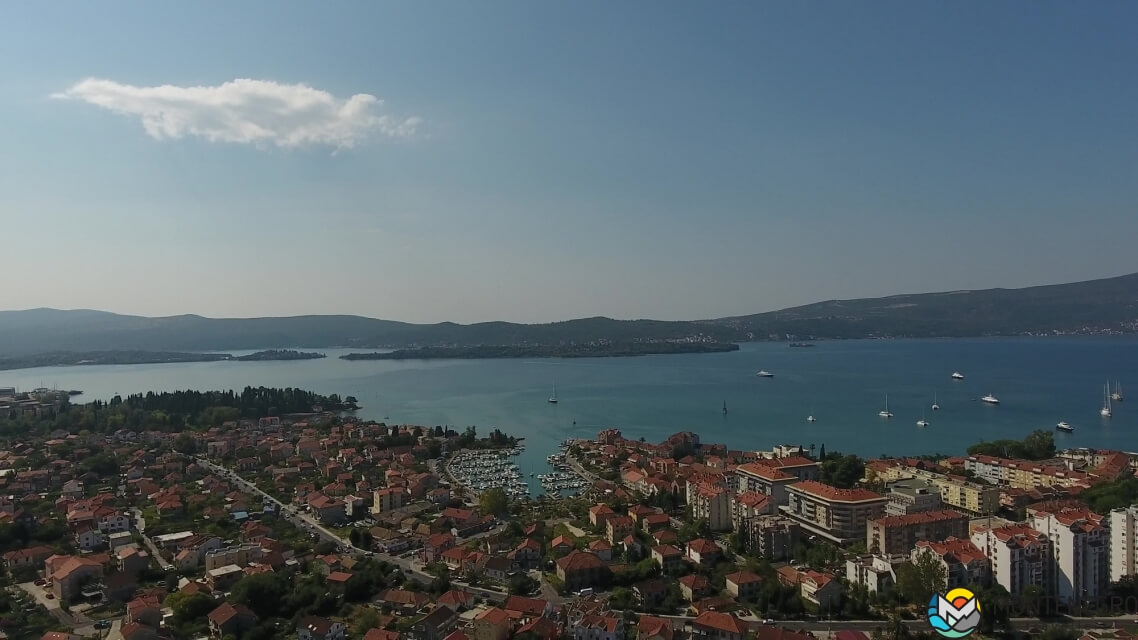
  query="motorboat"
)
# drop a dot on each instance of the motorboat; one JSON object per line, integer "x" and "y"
{"x": 956, "y": 375}
{"x": 990, "y": 399}
{"x": 1064, "y": 426}
{"x": 764, "y": 374}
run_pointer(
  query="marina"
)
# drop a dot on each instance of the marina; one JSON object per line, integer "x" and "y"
{"x": 481, "y": 471}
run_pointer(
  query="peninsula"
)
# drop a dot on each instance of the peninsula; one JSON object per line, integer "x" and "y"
{"x": 548, "y": 351}
{"x": 280, "y": 354}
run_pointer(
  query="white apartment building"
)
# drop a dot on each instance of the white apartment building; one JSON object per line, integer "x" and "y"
{"x": 1123, "y": 545}
{"x": 1079, "y": 550}
{"x": 1020, "y": 556}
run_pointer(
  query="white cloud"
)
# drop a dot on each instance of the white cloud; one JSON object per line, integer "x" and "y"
{"x": 248, "y": 112}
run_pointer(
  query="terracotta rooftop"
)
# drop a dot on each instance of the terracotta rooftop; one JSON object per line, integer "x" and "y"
{"x": 720, "y": 622}
{"x": 834, "y": 494}
{"x": 923, "y": 517}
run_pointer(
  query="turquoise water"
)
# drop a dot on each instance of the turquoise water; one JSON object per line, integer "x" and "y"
{"x": 1039, "y": 381}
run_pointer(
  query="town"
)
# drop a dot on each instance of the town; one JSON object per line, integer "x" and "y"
{"x": 261, "y": 515}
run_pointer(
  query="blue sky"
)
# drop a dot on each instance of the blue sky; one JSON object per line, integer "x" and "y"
{"x": 536, "y": 161}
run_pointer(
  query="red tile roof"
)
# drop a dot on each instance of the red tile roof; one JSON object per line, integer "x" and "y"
{"x": 720, "y": 622}
{"x": 834, "y": 494}
{"x": 923, "y": 517}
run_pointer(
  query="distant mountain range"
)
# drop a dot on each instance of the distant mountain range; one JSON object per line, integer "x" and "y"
{"x": 1098, "y": 306}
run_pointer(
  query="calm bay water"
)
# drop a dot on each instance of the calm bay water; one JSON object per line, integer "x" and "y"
{"x": 843, "y": 384}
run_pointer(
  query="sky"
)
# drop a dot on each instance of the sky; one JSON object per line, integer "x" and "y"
{"x": 539, "y": 161}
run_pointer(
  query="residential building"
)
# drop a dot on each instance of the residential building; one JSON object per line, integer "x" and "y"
{"x": 1080, "y": 544}
{"x": 749, "y": 505}
{"x": 1019, "y": 556}
{"x": 598, "y": 627}
{"x": 694, "y": 586}
{"x": 704, "y": 552}
{"x": 579, "y": 570}
{"x": 743, "y": 585}
{"x": 69, "y": 574}
{"x": 241, "y": 555}
{"x": 668, "y": 557}
{"x": 387, "y": 499}
{"x": 712, "y": 625}
{"x": 911, "y": 495}
{"x": 1123, "y": 543}
{"x": 899, "y": 534}
{"x": 314, "y": 628}
{"x": 436, "y": 625}
{"x": 839, "y": 515}
{"x": 963, "y": 562}
{"x": 773, "y": 537}
{"x": 711, "y": 503}
{"x": 491, "y": 624}
{"x": 764, "y": 479}
{"x": 876, "y": 573}
{"x": 819, "y": 588}
{"x": 229, "y": 619}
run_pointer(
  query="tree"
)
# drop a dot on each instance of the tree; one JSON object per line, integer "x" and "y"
{"x": 842, "y": 471}
{"x": 494, "y": 501}
{"x": 366, "y": 619}
{"x": 190, "y": 607}
{"x": 522, "y": 585}
{"x": 918, "y": 581}
{"x": 261, "y": 592}
{"x": 185, "y": 443}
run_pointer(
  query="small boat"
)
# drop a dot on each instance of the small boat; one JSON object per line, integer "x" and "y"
{"x": 884, "y": 413}
{"x": 724, "y": 407}
{"x": 1117, "y": 395}
{"x": 1105, "y": 411}
{"x": 990, "y": 399}
{"x": 553, "y": 398}
{"x": 1064, "y": 426}
{"x": 936, "y": 407}
{"x": 811, "y": 418}
{"x": 764, "y": 374}
{"x": 956, "y": 375}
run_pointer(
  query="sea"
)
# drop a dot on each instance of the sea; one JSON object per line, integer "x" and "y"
{"x": 843, "y": 384}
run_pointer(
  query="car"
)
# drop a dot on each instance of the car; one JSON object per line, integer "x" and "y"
{"x": 41, "y": 582}
{"x": 768, "y": 621}
{"x": 49, "y": 596}
{"x": 103, "y": 624}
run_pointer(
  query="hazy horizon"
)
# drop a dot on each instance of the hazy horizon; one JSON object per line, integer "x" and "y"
{"x": 540, "y": 162}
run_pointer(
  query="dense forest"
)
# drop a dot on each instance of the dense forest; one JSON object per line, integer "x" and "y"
{"x": 172, "y": 411}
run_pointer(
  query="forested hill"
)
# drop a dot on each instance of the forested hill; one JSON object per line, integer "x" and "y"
{"x": 1107, "y": 305}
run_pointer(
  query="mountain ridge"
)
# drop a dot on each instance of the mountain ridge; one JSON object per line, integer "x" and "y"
{"x": 1107, "y": 305}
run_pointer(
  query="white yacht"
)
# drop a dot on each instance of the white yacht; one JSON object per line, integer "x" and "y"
{"x": 956, "y": 375}
{"x": 1117, "y": 395}
{"x": 1105, "y": 411}
{"x": 764, "y": 374}
{"x": 1064, "y": 426}
{"x": 922, "y": 422}
{"x": 990, "y": 399}
{"x": 936, "y": 407}
{"x": 811, "y": 418}
{"x": 884, "y": 413}
{"x": 553, "y": 398}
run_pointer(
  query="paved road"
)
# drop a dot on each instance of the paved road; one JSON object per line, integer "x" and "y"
{"x": 71, "y": 620}
{"x": 140, "y": 524}
{"x": 304, "y": 521}
{"x": 582, "y": 471}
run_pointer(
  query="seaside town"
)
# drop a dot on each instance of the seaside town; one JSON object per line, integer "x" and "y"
{"x": 182, "y": 516}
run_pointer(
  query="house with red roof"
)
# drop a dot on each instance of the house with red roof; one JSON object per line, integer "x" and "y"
{"x": 230, "y": 619}
{"x": 694, "y": 586}
{"x": 818, "y": 588}
{"x": 743, "y": 585}
{"x": 492, "y": 624}
{"x": 667, "y": 556}
{"x": 704, "y": 552}
{"x": 712, "y": 625}
{"x": 579, "y": 570}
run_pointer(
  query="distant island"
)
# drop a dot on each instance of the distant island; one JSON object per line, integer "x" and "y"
{"x": 548, "y": 351}
{"x": 280, "y": 354}
{"x": 1096, "y": 307}
{"x": 83, "y": 358}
